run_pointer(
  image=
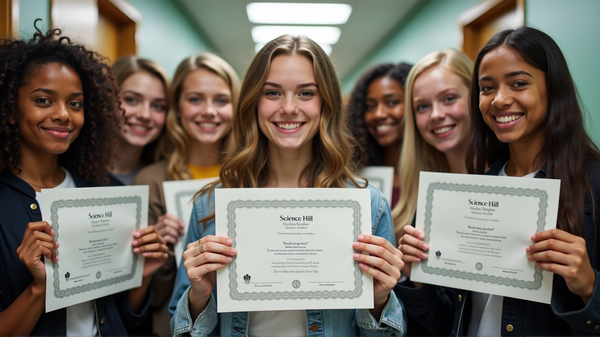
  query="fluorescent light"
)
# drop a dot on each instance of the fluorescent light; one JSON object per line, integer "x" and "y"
{"x": 298, "y": 13}
{"x": 319, "y": 34}
{"x": 326, "y": 47}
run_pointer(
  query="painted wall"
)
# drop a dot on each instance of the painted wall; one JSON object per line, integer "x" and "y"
{"x": 29, "y": 11}
{"x": 573, "y": 24}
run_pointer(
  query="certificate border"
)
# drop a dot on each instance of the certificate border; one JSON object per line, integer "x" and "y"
{"x": 512, "y": 191}
{"x": 178, "y": 197}
{"x": 70, "y": 203}
{"x": 292, "y": 295}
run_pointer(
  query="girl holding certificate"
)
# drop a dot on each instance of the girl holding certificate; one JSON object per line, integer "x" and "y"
{"x": 57, "y": 103}
{"x": 204, "y": 92}
{"x": 289, "y": 131}
{"x": 376, "y": 108}
{"x": 527, "y": 122}
{"x": 143, "y": 88}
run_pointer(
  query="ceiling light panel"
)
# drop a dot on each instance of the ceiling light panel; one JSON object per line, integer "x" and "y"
{"x": 319, "y": 34}
{"x": 298, "y": 13}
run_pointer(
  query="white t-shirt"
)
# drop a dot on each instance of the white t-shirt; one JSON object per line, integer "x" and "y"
{"x": 80, "y": 317}
{"x": 486, "y": 313}
{"x": 277, "y": 323}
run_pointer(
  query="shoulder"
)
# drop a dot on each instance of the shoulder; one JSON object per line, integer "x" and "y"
{"x": 156, "y": 172}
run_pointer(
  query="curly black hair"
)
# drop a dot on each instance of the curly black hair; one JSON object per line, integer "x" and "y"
{"x": 19, "y": 60}
{"x": 368, "y": 151}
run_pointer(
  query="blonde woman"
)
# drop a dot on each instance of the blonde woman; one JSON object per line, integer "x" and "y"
{"x": 289, "y": 131}
{"x": 143, "y": 87}
{"x": 204, "y": 92}
{"x": 436, "y": 134}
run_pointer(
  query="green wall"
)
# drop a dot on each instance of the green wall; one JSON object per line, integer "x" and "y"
{"x": 573, "y": 24}
{"x": 29, "y": 10}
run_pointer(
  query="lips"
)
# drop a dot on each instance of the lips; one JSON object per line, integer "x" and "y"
{"x": 139, "y": 129}
{"x": 508, "y": 118}
{"x": 384, "y": 128}
{"x": 443, "y": 129}
{"x": 288, "y": 126}
{"x": 58, "y": 131}
{"x": 208, "y": 126}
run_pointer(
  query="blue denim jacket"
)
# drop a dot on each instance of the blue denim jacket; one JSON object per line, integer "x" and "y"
{"x": 319, "y": 322}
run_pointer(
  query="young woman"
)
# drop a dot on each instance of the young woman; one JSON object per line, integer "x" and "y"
{"x": 289, "y": 131}
{"x": 376, "y": 108}
{"x": 143, "y": 88}
{"x": 527, "y": 122}
{"x": 57, "y": 103}
{"x": 204, "y": 92}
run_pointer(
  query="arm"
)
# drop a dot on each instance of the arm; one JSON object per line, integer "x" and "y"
{"x": 22, "y": 315}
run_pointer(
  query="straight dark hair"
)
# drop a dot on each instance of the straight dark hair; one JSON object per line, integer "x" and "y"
{"x": 564, "y": 160}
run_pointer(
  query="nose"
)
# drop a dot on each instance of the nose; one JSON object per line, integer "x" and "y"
{"x": 502, "y": 98}
{"x": 288, "y": 107}
{"x": 380, "y": 112}
{"x": 144, "y": 112}
{"x": 209, "y": 110}
{"x": 437, "y": 112}
{"x": 61, "y": 113}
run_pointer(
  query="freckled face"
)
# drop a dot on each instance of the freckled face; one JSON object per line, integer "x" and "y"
{"x": 384, "y": 113}
{"x": 289, "y": 108}
{"x": 512, "y": 96}
{"x": 143, "y": 99}
{"x": 205, "y": 107}
{"x": 441, "y": 109}
{"x": 50, "y": 110}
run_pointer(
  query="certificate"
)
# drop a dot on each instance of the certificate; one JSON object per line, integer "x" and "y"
{"x": 381, "y": 177}
{"x": 294, "y": 248}
{"x": 94, "y": 227}
{"x": 178, "y": 201}
{"x": 478, "y": 227}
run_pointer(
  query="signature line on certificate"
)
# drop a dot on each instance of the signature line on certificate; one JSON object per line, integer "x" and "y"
{"x": 78, "y": 277}
{"x": 328, "y": 282}
{"x": 457, "y": 261}
{"x": 508, "y": 269}
{"x": 117, "y": 269}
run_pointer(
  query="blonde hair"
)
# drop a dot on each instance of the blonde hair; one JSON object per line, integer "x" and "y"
{"x": 174, "y": 146}
{"x": 417, "y": 155}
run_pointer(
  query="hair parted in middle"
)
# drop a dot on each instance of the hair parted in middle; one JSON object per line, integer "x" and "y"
{"x": 245, "y": 163}
{"x": 417, "y": 155}
{"x": 174, "y": 145}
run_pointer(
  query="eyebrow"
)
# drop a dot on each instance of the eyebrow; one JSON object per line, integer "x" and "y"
{"x": 52, "y": 92}
{"x": 509, "y": 75}
{"x": 304, "y": 85}
{"x": 132, "y": 92}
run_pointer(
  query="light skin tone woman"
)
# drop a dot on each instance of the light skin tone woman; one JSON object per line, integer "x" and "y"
{"x": 289, "y": 115}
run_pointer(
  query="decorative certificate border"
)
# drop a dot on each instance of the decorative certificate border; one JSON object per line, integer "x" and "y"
{"x": 512, "y": 191}
{"x": 71, "y": 203}
{"x": 292, "y": 295}
{"x": 178, "y": 197}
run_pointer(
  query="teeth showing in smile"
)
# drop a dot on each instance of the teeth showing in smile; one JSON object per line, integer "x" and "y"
{"x": 443, "y": 130}
{"x": 507, "y": 119}
{"x": 140, "y": 128}
{"x": 208, "y": 125}
{"x": 383, "y": 127}
{"x": 288, "y": 126}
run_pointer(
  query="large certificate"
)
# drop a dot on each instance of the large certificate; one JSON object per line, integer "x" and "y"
{"x": 294, "y": 248}
{"x": 478, "y": 228}
{"x": 94, "y": 227}
{"x": 178, "y": 201}
{"x": 381, "y": 177}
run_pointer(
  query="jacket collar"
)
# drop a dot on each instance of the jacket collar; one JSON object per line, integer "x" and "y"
{"x": 497, "y": 166}
{"x": 10, "y": 179}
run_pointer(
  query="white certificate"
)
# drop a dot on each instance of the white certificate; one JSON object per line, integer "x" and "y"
{"x": 94, "y": 227}
{"x": 381, "y": 177}
{"x": 294, "y": 248}
{"x": 178, "y": 201}
{"x": 478, "y": 227}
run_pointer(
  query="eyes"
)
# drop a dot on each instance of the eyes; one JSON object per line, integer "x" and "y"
{"x": 371, "y": 106}
{"x": 424, "y": 107}
{"x": 519, "y": 84}
{"x": 220, "y": 100}
{"x": 303, "y": 94}
{"x": 75, "y": 104}
{"x": 156, "y": 106}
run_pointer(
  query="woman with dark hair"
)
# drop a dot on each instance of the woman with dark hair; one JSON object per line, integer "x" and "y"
{"x": 527, "y": 122}
{"x": 376, "y": 109}
{"x": 57, "y": 102}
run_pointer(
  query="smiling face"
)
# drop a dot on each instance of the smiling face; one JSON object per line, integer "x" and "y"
{"x": 143, "y": 99}
{"x": 440, "y": 105}
{"x": 384, "y": 113}
{"x": 289, "y": 108}
{"x": 50, "y": 110}
{"x": 205, "y": 107}
{"x": 512, "y": 99}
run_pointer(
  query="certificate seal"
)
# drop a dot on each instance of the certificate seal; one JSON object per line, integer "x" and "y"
{"x": 98, "y": 274}
{"x": 296, "y": 284}
{"x": 478, "y": 266}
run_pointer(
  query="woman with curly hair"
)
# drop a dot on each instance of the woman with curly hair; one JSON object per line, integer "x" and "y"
{"x": 376, "y": 110}
{"x": 289, "y": 131}
{"x": 143, "y": 86}
{"x": 57, "y": 103}
{"x": 204, "y": 93}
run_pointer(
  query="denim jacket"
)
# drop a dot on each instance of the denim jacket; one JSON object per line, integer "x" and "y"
{"x": 447, "y": 311}
{"x": 319, "y": 322}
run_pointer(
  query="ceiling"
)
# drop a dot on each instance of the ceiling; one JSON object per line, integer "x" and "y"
{"x": 225, "y": 24}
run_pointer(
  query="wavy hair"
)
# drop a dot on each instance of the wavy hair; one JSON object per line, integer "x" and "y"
{"x": 96, "y": 144}
{"x": 418, "y": 155}
{"x": 368, "y": 151}
{"x": 174, "y": 146}
{"x": 565, "y": 160}
{"x": 129, "y": 65}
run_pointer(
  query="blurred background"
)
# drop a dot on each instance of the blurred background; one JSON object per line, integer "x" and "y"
{"x": 356, "y": 33}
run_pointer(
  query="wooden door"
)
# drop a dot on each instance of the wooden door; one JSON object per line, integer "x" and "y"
{"x": 9, "y": 19}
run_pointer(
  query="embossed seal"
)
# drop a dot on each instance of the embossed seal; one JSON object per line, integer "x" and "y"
{"x": 296, "y": 284}
{"x": 478, "y": 266}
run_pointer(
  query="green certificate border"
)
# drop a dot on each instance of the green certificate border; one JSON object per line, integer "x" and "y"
{"x": 292, "y": 295}
{"x": 178, "y": 196}
{"x": 484, "y": 189}
{"x": 72, "y": 203}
